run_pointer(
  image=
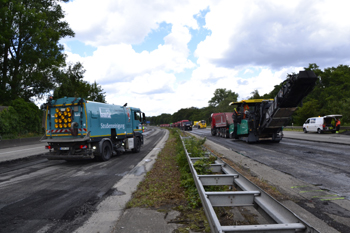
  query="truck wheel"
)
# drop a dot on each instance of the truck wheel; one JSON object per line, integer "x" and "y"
{"x": 137, "y": 147}
{"x": 106, "y": 151}
{"x": 319, "y": 131}
{"x": 213, "y": 132}
{"x": 305, "y": 131}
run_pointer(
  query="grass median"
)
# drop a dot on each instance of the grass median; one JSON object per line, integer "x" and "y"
{"x": 169, "y": 186}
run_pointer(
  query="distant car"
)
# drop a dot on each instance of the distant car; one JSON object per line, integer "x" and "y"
{"x": 321, "y": 124}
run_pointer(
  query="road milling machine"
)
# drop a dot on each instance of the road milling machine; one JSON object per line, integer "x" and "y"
{"x": 259, "y": 119}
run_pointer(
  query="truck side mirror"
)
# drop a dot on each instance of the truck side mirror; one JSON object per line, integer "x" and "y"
{"x": 143, "y": 117}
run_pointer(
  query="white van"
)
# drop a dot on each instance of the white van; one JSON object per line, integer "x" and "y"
{"x": 321, "y": 124}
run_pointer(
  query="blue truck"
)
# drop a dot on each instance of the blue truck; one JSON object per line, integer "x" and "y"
{"x": 80, "y": 129}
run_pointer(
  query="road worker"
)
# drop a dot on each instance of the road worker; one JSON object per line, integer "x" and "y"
{"x": 337, "y": 125}
{"x": 245, "y": 110}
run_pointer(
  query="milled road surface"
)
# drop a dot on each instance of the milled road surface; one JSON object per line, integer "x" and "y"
{"x": 324, "y": 166}
{"x": 38, "y": 195}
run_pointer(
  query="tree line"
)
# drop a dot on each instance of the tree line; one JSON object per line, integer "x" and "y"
{"x": 33, "y": 63}
{"x": 331, "y": 95}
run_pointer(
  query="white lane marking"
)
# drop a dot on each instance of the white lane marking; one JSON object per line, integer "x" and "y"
{"x": 20, "y": 150}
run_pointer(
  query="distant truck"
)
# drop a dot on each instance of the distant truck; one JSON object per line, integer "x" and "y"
{"x": 81, "y": 129}
{"x": 220, "y": 124}
{"x": 200, "y": 124}
{"x": 185, "y": 125}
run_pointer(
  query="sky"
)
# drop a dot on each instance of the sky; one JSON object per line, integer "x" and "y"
{"x": 162, "y": 56}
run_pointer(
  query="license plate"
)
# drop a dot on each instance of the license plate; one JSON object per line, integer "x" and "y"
{"x": 64, "y": 148}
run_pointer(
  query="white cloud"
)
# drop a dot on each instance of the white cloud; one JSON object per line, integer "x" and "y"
{"x": 276, "y": 33}
{"x": 252, "y": 46}
{"x": 126, "y": 21}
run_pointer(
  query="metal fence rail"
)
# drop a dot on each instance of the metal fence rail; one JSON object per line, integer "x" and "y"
{"x": 279, "y": 217}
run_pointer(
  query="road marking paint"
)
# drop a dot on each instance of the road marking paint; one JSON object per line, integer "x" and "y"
{"x": 21, "y": 150}
{"x": 330, "y": 199}
{"x": 331, "y": 195}
{"x": 300, "y": 186}
{"x": 309, "y": 191}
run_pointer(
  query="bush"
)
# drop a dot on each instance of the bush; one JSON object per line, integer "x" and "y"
{"x": 20, "y": 118}
{"x": 29, "y": 116}
{"x": 9, "y": 122}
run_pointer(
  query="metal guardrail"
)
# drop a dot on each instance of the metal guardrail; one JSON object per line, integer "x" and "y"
{"x": 279, "y": 217}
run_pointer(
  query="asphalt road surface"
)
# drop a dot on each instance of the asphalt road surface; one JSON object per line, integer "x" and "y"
{"x": 322, "y": 164}
{"x": 40, "y": 195}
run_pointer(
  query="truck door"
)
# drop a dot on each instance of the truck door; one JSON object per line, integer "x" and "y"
{"x": 137, "y": 120}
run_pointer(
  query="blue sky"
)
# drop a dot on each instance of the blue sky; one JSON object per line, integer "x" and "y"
{"x": 80, "y": 48}
{"x": 166, "y": 56}
{"x": 154, "y": 38}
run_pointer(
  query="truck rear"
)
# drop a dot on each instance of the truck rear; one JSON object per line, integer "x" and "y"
{"x": 186, "y": 125}
{"x": 80, "y": 129}
{"x": 220, "y": 123}
{"x": 202, "y": 124}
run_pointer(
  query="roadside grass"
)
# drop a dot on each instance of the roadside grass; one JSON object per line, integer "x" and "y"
{"x": 168, "y": 186}
{"x": 293, "y": 129}
{"x": 162, "y": 184}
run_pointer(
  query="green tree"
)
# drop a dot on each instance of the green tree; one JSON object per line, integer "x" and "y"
{"x": 272, "y": 94}
{"x": 309, "y": 109}
{"x": 344, "y": 106}
{"x": 95, "y": 93}
{"x": 30, "y": 52}
{"x": 222, "y": 94}
{"x": 184, "y": 114}
{"x": 255, "y": 95}
{"x": 71, "y": 84}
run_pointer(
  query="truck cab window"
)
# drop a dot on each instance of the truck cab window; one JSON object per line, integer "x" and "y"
{"x": 137, "y": 116}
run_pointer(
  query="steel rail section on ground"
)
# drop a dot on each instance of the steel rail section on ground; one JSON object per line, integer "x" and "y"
{"x": 279, "y": 217}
